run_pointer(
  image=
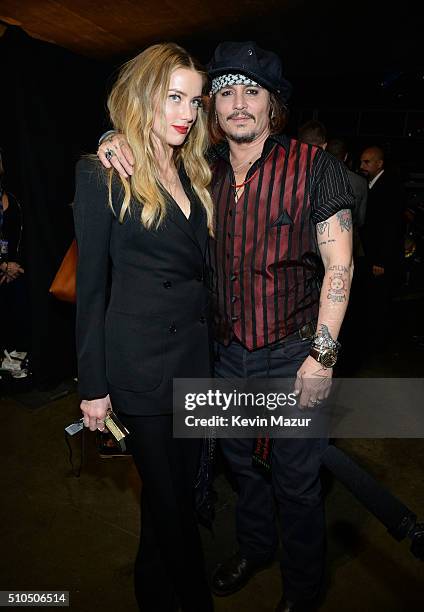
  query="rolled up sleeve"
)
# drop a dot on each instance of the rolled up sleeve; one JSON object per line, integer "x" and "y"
{"x": 330, "y": 189}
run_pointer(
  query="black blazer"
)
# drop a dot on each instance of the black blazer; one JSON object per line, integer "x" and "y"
{"x": 141, "y": 297}
{"x": 383, "y": 231}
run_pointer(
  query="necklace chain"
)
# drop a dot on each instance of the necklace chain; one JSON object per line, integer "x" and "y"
{"x": 237, "y": 187}
{"x": 248, "y": 161}
{"x": 170, "y": 186}
{"x": 246, "y": 181}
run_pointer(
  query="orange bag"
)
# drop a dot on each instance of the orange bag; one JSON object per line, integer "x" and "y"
{"x": 63, "y": 286}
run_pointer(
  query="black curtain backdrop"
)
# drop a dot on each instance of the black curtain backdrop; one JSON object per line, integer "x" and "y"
{"x": 52, "y": 110}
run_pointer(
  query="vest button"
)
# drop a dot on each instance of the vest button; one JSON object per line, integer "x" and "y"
{"x": 234, "y": 318}
{"x": 202, "y": 320}
{"x": 172, "y": 329}
{"x": 234, "y": 299}
{"x": 167, "y": 284}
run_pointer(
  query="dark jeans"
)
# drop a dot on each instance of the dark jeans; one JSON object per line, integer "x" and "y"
{"x": 169, "y": 569}
{"x": 14, "y": 315}
{"x": 295, "y": 484}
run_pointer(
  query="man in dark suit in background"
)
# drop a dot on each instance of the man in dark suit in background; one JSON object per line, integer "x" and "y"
{"x": 382, "y": 233}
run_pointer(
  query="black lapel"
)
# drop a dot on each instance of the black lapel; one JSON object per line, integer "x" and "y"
{"x": 195, "y": 228}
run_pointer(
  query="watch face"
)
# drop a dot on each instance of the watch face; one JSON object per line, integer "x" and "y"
{"x": 328, "y": 358}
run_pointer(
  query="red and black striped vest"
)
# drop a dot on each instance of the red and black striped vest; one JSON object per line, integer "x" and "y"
{"x": 264, "y": 253}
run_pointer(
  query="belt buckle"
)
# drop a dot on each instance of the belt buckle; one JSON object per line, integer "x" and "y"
{"x": 307, "y": 331}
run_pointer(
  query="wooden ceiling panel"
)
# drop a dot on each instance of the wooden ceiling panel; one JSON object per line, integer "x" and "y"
{"x": 104, "y": 28}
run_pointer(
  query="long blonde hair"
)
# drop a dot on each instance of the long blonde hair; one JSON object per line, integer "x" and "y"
{"x": 141, "y": 87}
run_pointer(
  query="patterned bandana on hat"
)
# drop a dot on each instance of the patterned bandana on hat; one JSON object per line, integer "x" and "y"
{"x": 231, "y": 79}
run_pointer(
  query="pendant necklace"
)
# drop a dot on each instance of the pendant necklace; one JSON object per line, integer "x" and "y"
{"x": 237, "y": 187}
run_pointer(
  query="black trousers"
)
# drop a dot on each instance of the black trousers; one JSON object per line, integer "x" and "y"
{"x": 14, "y": 315}
{"x": 169, "y": 569}
{"x": 295, "y": 484}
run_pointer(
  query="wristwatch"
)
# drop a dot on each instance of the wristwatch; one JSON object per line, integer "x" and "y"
{"x": 325, "y": 350}
{"x": 327, "y": 357}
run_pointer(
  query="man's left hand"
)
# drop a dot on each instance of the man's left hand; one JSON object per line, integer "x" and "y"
{"x": 313, "y": 383}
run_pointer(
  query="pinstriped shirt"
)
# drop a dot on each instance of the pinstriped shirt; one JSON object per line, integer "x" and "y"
{"x": 265, "y": 257}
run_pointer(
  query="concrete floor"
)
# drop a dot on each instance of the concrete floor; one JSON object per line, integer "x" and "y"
{"x": 60, "y": 532}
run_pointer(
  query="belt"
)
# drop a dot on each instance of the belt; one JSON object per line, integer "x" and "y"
{"x": 307, "y": 332}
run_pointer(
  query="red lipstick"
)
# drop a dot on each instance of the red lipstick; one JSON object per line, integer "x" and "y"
{"x": 182, "y": 129}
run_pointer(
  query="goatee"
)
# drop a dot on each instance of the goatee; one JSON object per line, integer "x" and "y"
{"x": 243, "y": 138}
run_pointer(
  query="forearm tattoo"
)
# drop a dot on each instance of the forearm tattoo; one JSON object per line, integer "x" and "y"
{"x": 323, "y": 339}
{"x": 344, "y": 218}
{"x": 337, "y": 290}
{"x": 324, "y": 332}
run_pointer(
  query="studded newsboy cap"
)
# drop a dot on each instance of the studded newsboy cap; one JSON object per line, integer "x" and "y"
{"x": 248, "y": 58}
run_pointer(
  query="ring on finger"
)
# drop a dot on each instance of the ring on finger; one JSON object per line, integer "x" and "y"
{"x": 109, "y": 153}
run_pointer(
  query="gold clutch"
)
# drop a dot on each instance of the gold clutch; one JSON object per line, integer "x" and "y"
{"x": 116, "y": 428}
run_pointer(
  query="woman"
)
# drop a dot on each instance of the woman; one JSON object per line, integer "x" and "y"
{"x": 13, "y": 293}
{"x": 141, "y": 305}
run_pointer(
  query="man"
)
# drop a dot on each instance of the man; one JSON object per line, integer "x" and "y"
{"x": 278, "y": 202}
{"x": 382, "y": 237}
{"x": 313, "y": 132}
{"x": 383, "y": 227}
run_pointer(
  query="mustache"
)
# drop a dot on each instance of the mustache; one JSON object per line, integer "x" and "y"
{"x": 236, "y": 115}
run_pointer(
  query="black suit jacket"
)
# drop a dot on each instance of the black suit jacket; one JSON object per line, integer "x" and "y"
{"x": 383, "y": 231}
{"x": 141, "y": 297}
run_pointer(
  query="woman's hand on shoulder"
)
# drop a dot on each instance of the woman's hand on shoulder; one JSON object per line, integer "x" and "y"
{"x": 115, "y": 151}
{"x": 95, "y": 412}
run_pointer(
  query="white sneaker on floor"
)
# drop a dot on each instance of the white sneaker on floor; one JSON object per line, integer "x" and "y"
{"x": 19, "y": 374}
{"x": 18, "y": 355}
